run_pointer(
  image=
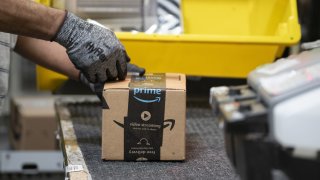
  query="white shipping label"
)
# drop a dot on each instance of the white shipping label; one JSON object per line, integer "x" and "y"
{"x": 74, "y": 168}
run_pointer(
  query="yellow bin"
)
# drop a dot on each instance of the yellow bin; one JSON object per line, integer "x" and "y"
{"x": 44, "y": 2}
{"x": 222, "y": 38}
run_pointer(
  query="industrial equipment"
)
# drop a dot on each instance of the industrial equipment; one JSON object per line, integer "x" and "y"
{"x": 272, "y": 125}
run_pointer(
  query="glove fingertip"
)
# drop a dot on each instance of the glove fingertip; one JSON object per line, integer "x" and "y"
{"x": 128, "y": 59}
{"x": 142, "y": 72}
{"x": 122, "y": 71}
{"x": 136, "y": 69}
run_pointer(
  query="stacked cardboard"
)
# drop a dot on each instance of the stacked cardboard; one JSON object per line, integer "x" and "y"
{"x": 33, "y": 124}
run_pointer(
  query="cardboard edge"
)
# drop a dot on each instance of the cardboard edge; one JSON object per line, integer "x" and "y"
{"x": 119, "y": 85}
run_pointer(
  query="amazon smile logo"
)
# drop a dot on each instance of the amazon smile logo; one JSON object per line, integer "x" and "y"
{"x": 137, "y": 91}
{"x": 157, "y": 99}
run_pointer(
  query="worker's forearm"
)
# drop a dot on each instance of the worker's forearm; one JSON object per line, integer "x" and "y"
{"x": 47, "y": 54}
{"x": 27, "y": 18}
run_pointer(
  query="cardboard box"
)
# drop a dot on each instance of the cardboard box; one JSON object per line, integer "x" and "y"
{"x": 145, "y": 119}
{"x": 33, "y": 123}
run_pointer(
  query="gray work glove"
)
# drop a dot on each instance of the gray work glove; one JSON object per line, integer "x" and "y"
{"x": 97, "y": 88}
{"x": 94, "y": 50}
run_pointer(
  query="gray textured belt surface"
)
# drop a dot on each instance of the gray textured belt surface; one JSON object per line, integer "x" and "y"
{"x": 206, "y": 158}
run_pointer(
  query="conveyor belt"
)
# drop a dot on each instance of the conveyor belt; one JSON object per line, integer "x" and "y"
{"x": 206, "y": 158}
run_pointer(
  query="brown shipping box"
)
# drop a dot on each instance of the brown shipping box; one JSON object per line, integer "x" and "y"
{"x": 33, "y": 123}
{"x": 145, "y": 119}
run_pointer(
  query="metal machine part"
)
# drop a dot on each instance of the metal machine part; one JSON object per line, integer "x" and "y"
{"x": 284, "y": 85}
{"x": 306, "y": 58}
{"x": 295, "y": 123}
{"x": 224, "y": 94}
{"x": 244, "y": 116}
{"x": 31, "y": 162}
{"x": 275, "y": 135}
{"x": 311, "y": 45}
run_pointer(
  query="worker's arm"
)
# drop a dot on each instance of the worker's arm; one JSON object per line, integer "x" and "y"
{"x": 54, "y": 57}
{"x": 47, "y": 54}
{"x": 30, "y": 19}
{"x": 94, "y": 50}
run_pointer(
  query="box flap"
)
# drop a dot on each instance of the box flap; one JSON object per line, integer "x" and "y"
{"x": 174, "y": 81}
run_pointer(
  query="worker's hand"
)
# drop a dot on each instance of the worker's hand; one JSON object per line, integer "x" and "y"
{"x": 97, "y": 88}
{"x": 136, "y": 70}
{"x": 94, "y": 50}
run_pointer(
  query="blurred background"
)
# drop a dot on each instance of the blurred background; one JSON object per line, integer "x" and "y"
{"x": 120, "y": 15}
